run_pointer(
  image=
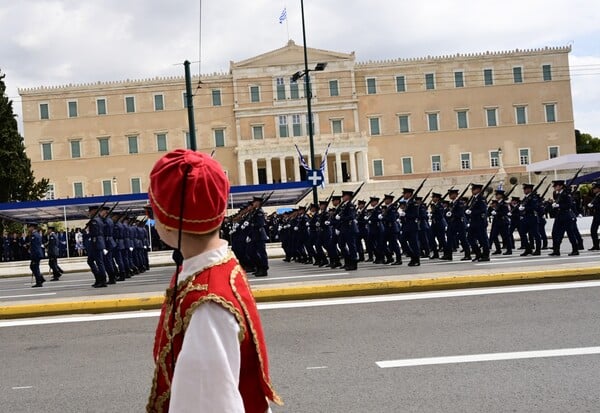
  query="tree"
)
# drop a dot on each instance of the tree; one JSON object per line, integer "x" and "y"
{"x": 586, "y": 143}
{"x": 17, "y": 182}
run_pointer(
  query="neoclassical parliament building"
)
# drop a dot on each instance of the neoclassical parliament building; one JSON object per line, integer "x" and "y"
{"x": 445, "y": 116}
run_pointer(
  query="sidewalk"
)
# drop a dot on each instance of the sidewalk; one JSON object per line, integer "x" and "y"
{"x": 317, "y": 289}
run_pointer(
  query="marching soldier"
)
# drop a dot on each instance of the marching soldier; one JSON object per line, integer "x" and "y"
{"x": 410, "y": 227}
{"x": 391, "y": 223}
{"x": 477, "y": 232}
{"x": 53, "y": 253}
{"x": 594, "y": 206}
{"x": 375, "y": 243}
{"x": 456, "y": 227}
{"x": 348, "y": 230}
{"x": 110, "y": 245}
{"x": 363, "y": 231}
{"x": 96, "y": 247}
{"x": 564, "y": 220}
{"x": 438, "y": 224}
{"x": 500, "y": 224}
{"x": 259, "y": 238}
{"x": 529, "y": 220}
{"x": 35, "y": 253}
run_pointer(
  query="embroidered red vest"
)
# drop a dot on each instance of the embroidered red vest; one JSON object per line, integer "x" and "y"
{"x": 223, "y": 283}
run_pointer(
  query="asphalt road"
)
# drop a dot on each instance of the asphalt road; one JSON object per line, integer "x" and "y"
{"x": 156, "y": 280}
{"x": 324, "y": 354}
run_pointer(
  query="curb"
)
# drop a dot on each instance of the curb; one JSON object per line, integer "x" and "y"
{"x": 302, "y": 292}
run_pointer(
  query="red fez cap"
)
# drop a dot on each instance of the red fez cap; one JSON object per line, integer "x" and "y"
{"x": 206, "y": 191}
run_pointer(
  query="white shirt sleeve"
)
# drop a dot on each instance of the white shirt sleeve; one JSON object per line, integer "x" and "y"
{"x": 207, "y": 371}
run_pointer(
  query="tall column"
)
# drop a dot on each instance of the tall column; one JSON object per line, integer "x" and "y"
{"x": 353, "y": 176}
{"x": 242, "y": 172}
{"x": 269, "y": 170}
{"x": 296, "y": 169}
{"x": 254, "y": 171}
{"x": 338, "y": 168}
{"x": 366, "y": 166}
{"x": 282, "y": 171}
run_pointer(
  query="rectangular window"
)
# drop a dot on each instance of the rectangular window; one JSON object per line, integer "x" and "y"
{"x": 72, "y": 108}
{"x": 280, "y": 88}
{"x": 374, "y": 126}
{"x": 521, "y": 115}
{"x": 161, "y": 142}
{"x": 461, "y": 119}
{"x": 488, "y": 77}
{"x": 432, "y": 120}
{"x": 257, "y": 132}
{"x": 47, "y": 151}
{"x": 159, "y": 102}
{"x": 254, "y": 94}
{"x": 50, "y": 192}
{"x": 107, "y": 187}
{"x": 436, "y": 163}
{"x": 459, "y": 79}
{"x": 216, "y": 97}
{"x": 371, "y": 86}
{"x": 333, "y": 88}
{"x": 523, "y": 156}
{"x": 429, "y": 81}
{"x": 517, "y": 74}
{"x": 136, "y": 185}
{"x": 377, "y": 167}
{"x": 491, "y": 118}
{"x": 75, "y": 149}
{"x": 297, "y": 125}
{"x": 494, "y": 159}
{"x": 547, "y": 72}
{"x": 294, "y": 90}
{"x": 283, "y": 127}
{"x": 400, "y": 84}
{"x": 407, "y": 167}
{"x": 465, "y": 161}
{"x": 44, "y": 111}
{"x": 78, "y": 189}
{"x": 104, "y": 147}
{"x": 101, "y": 106}
{"x": 132, "y": 143}
{"x": 553, "y": 152}
{"x": 130, "y": 104}
{"x": 404, "y": 124}
{"x": 550, "y": 110}
{"x": 219, "y": 137}
{"x": 337, "y": 126}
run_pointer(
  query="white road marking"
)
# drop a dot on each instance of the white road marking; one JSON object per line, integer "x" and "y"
{"x": 316, "y": 368}
{"x": 488, "y": 357}
{"x": 536, "y": 259}
{"x": 250, "y": 277}
{"x": 22, "y": 387}
{"x": 79, "y": 318}
{"x": 25, "y": 295}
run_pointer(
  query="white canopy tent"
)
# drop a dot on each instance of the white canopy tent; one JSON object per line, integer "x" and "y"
{"x": 571, "y": 161}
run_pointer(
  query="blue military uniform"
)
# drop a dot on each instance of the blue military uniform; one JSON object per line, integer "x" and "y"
{"x": 594, "y": 206}
{"x": 530, "y": 221}
{"x": 438, "y": 225}
{"x": 36, "y": 254}
{"x": 391, "y": 225}
{"x": 564, "y": 220}
{"x": 96, "y": 248}
{"x": 456, "y": 231}
{"x": 259, "y": 238}
{"x": 348, "y": 231}
{"x": 375, "y": 241}
{"x": 410, "y": 227}
{"x": 477, "y": 232}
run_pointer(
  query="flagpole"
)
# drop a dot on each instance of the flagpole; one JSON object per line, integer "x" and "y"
{"x": 287, "y": 24}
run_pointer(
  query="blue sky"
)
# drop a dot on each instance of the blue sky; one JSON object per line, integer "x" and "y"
{"x": 56, "y": 42}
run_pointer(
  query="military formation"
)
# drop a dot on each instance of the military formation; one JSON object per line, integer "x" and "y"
{"x": 479, "y": 222}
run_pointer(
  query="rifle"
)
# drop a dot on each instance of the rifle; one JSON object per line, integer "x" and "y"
{"x": 112, "y": 209}
{"x": 427, "y": 196}
{"x": 124, "y": 215}
{"x": 397, "y": 201}
{"x": 463, "y": 192}
{"x": 512, "y": 189}
{"x": 94, "y": 215}
{"x": 381, "y": 202}
{"x": 330, "y": 196}
{"x": 350, "y": 200}
{"x": 482, "y": 189}
{"x": 545, "y": 192}
{"x": 574, "y": 178}
{"x": 537, "y": 187}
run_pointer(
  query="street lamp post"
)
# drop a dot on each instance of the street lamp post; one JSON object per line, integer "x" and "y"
{"x": 295, "y": 77}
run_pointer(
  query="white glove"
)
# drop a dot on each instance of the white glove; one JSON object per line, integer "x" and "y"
{"x": 145, "y": 247}
{"x": 555, "y": 205}
{"x": 308, "y": 224}
{"x": 337, "y": 232}
{"x": 494, "y": 213}
{"x": 327, "y": 222}
{"x": 130, "y": 248}
{"x": 318, "y": 224}
{"x": 380, "y": 216}
{"x": 590, "y": 205}
{"x": 429, "y": 215}
{"x": 337, "y": 217}
{"x": 295, "y": 228}
{"x": 521, "y": 208}
{"x": 398, "y": 220}
{"x": 248, "y": 239}
{"x": 401, "y": 213}
{"x": 448, "y": 214}
{"x": 509, "y": 214}
{"x": 245, "y": 224}
{"x": 279, "y": 228}
{"x": 468, "y": 211}
{"x": 105, "y": 251}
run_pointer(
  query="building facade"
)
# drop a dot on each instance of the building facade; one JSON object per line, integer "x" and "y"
{"x": 444, "y": 116}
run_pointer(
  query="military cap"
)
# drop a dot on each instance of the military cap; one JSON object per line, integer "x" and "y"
{"x": 388, "y": 196}
{"x": 596, "y": 184}
{"x": 476, "y": 186}
{"x": 558, "y": 182}
{"x": 313, "y": 206}
{"x": 206, "y": 191}
{"x": 257, "y": 198}
{"x": 436, "y": 195}
{"x": 323, "y": 202}
{"x": 374, "y": 198}
{"x": 301, "y": 208}
{"x": 418, "y": 198}
{"x": 407, "y": 190}
{"x": 347, "y": 193}
{"x": 93, "y": 207}
{"x": 453, "y": 191}
{"x": 106, "y": 208}
{"x": 361, "y": 202}
{"x": 527, "y": 186}
{"x": 336, "y": 198}
{"x": 515, "y": 198}
{"x": 499, "y": 191}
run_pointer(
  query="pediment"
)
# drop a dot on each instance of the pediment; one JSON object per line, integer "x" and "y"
{"x": 291, "y": 54}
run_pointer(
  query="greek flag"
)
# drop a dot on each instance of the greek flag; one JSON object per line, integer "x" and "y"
{"x": 302, "y": 160}
{"x": 283, "y": 16}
